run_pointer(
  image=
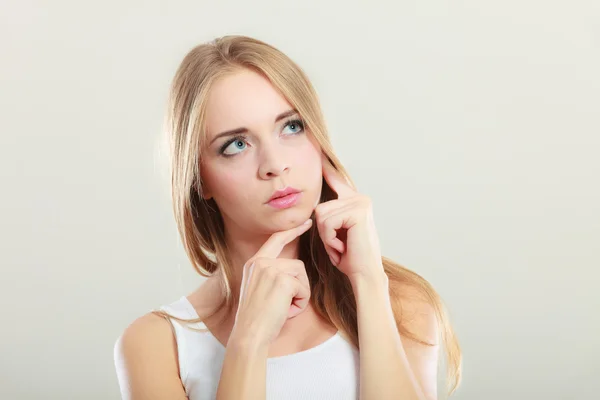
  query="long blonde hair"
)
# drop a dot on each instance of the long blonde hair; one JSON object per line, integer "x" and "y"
{"x": 200, "y": 223}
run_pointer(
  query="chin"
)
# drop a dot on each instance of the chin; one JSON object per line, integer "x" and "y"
{"x": 294, "y": 216}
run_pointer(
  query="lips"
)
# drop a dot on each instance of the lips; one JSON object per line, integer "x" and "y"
{"x": 283, "y": 192}
{"x": 286, "y": 201}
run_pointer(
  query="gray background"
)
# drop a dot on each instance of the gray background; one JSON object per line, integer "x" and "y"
{"x": 473, "y": 125}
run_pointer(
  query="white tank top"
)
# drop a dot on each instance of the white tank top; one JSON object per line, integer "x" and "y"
{"x": 329, "y": 371}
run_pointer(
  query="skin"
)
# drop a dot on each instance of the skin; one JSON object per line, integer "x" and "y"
{"x": 272, "y": 157}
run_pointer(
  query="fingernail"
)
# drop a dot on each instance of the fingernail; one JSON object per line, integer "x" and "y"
{"x": 308, "y": 221}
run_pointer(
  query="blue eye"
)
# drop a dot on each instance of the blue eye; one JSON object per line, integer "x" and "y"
{"x": 298, "y": 124}
{"x": 237, "y": 143}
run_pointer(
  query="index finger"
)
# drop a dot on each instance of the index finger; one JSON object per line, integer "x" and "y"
{"x": 275, "y": 244}
{"x": 335, "y": 180}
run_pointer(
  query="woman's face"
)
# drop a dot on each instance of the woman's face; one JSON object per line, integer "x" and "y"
{"x": 271, "y": 150}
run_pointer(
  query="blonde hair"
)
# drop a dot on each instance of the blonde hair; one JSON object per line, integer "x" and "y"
{"x": 200, "y": 224}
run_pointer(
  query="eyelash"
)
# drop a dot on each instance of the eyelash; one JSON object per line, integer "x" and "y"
{"x": 294, "y": 121}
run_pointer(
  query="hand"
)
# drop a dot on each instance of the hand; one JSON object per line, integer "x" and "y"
{"x": 347, "y": 228}
{"x": 272, "y": 290}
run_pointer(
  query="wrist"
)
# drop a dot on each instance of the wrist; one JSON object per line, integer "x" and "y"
{"x": 377, "y": 279}
{"x": 247, "y": 343}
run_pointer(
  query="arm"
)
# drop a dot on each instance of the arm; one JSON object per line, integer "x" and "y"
{"x": 393, "y": 367}
{"x": 244, "y": 371}
{"x": 146, "y": 361}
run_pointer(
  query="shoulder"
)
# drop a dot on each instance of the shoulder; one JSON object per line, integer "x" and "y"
{"x": 415, "y": 310}
{"x": 147, "y": 329}
{"x": 417, "y": 320}
{"x": 145, "y": 357}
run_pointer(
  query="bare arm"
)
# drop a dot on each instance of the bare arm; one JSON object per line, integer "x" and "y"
{"x": 146, "y": 361}
{"x": 394, "y": 367}
{"x": 244, "y": 370}
{"x": 272, "y": 291}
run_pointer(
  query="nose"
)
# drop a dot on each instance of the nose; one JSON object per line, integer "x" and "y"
{"x": 273, "y": 162}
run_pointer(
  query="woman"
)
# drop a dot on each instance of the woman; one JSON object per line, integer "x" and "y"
{"x": 287, "y": 304}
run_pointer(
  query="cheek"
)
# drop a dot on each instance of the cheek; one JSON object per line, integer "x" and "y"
{"x": 307, "y": 152}
{"x": 307, "y": 159}
{"x": 226, "y": 183}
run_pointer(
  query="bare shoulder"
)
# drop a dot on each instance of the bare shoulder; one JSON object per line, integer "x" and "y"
{"x": 149, "y": 329}
{"x": 415, "y": 311}
{"x": 146, "y": 360}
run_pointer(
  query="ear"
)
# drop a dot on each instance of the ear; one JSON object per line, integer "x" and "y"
{"x": 206, "y": 195}
{"x": 204, "y": 192}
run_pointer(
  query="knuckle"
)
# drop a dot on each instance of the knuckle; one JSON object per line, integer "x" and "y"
{"x": 320, "y": 219}
{"x": 261, "y": 263}
{"x": 298, "y": 265}
{"x": 319, "y": 209}
{"x": 282, "y": 282}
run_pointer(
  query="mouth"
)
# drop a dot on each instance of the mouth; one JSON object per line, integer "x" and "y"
{"x": 284, "y": 198}
{"x": 283, "y": 192}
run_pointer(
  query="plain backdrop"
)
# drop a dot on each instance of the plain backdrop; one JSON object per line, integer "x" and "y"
{"x": 473, "y": 125}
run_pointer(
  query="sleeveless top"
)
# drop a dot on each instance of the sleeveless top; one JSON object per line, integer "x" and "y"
{"x": 328, "y": 371}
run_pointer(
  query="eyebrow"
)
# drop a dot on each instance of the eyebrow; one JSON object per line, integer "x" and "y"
{"x": 245, "y": 130}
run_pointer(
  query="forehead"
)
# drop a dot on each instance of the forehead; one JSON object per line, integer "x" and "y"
{"x": 243, "y": 99}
